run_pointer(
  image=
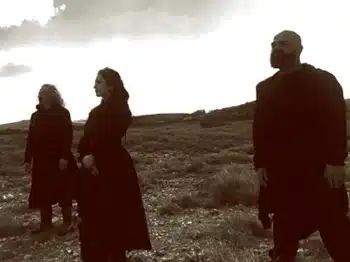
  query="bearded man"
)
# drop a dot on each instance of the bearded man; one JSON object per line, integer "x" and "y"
{"x": 300, "y": 143}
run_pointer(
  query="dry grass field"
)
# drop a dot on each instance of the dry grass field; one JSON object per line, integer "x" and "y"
{"x": 199, "y": 191}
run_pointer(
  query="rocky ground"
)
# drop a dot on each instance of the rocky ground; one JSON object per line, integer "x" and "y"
{"x": 198, "y": 188}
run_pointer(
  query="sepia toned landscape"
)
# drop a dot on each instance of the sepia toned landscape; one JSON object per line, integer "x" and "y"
{"x": 199, "y": 189}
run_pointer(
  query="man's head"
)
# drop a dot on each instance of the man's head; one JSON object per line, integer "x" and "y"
{"x": 285, "y": 50}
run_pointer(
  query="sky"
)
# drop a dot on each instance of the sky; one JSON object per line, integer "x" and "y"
{"x": 179, "y": 62}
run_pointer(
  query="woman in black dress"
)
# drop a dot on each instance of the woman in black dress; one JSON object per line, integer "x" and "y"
{"x": 49, "y": 159}
{"x": 110, "y": 207}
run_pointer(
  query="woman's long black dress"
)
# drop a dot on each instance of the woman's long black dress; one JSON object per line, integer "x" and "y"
{"x": 110, "y": 204}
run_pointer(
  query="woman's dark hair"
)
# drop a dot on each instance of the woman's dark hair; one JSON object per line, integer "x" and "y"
{"x": 114, "y": 80}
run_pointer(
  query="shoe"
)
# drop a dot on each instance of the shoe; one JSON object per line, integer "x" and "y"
{"x": 273, "y": 254}
{"x": 43, "y": 234}
{"x": 65, "y": 228}
{"x": 275, "y": 257}
{"x": 42, "y": 229}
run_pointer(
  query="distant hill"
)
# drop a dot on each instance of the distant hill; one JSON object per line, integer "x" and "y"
{"x": 213, "y": 118}
{"x": 229, "y": 114}
{"x": 237, "y": 113}
{"x": 144, "y": 120}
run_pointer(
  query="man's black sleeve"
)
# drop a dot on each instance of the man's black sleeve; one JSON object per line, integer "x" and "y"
{"x": 332, "y": 119}
{"x": 258, "y": 131}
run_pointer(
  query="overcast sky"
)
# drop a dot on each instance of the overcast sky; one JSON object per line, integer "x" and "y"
{"x": 75, "y": 20}
{"x": 174, "y": 56}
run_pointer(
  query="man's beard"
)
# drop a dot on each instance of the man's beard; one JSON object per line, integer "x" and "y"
{"x": 279, "y": 59}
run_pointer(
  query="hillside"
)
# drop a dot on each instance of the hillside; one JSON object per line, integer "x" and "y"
{"x": 213, "y": 118}
{"x": 159, "y": 119}
{"x": 198, "y": 186}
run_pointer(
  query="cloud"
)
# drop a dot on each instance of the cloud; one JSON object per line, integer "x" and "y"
{"x": 85, "y": 21}
{"x": 97, "y": 9}
{"x": 11, "y": 70}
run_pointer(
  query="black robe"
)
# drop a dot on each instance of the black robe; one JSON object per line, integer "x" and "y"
{"x": 111, "y": 202}
{"x": 49, "y": 139}
{"x": 299, "y": 127}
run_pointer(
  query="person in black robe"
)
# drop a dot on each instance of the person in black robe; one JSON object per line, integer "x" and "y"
{"x": 300, "y": 143}
{"x": 110, "y": 204}
{"x": 49, "y": 159}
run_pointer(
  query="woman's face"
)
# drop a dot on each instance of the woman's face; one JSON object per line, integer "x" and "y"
{"x": 45, "y": 96}
{"x": 101, "y": 87}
